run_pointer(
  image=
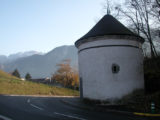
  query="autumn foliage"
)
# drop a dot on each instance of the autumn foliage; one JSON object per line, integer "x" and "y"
{"x": 66, "y": 75}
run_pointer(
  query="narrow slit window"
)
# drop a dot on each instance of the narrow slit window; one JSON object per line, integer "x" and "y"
{"x": 115, "y": 68}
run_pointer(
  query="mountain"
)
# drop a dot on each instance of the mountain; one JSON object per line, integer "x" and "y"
{"x": 22, "y": 54}
{"x": 40, "y": 66}
{"x": 3, "y": 59}
{"x": 13, "y": 57}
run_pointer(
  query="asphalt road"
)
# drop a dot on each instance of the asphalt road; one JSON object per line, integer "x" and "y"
{"x": 49, "y": 108}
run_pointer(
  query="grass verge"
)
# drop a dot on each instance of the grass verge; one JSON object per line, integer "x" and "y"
{"x": 12, "y": 85}
{"x": 140, "y": 102}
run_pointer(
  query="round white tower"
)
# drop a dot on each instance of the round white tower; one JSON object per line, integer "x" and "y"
{"x": 110, "y": 61}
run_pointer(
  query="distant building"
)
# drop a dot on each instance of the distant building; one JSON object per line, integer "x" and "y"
{"x": 110, "y": 61}
{"x": 46, "y": 80}
{"x": 23, "y": 79}
{"x": 38, "y": 80}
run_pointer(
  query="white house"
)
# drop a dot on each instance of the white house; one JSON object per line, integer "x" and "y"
{"x": 110, "y": 61}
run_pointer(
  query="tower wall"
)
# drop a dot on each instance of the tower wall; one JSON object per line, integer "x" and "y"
{"x": 97, "y": 59}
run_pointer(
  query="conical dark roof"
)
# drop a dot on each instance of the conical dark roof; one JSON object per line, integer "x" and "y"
{"x": 108, "y": 25}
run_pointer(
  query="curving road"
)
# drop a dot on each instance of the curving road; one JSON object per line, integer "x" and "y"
{"x": 49, "y": 108}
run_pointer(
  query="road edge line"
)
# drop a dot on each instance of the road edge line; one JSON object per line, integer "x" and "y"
{"x": 35, "y": 106}
{"x": 5, "y": 118}
{"x": 146, "y": 114}
{"x": 70, "y": 116}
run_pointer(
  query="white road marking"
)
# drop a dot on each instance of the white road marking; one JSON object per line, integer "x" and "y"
{"x": 36, "y": 107}
{"x": 5, "y": 118}
{"x": 70, "y": 116}
{"x": 28, "y": 100}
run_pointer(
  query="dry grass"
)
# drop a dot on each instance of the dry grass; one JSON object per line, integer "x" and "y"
{"x": 13, "y": 85}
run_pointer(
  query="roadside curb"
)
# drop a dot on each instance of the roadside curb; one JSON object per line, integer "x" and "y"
{"x": 111, "y": 110}
{"x": 41, "y": 96}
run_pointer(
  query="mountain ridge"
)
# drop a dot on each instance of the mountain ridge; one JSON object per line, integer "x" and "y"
{"x": 15, "y": 56}
{"x": 41, "y": 66}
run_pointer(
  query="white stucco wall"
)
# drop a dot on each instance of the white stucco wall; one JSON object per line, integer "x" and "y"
{"x": 95, "y": 68}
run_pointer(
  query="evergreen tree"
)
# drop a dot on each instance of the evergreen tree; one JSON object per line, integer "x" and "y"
{"x": 28, "y": 76}
{"x": 16, "y": 73}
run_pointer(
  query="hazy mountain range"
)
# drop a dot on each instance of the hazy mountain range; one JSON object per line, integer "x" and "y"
{"x": 37, "y": 64}
{"x": 13, "y": 57}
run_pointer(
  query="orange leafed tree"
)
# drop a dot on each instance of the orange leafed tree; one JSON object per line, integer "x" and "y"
{"x": 66, "y": 75}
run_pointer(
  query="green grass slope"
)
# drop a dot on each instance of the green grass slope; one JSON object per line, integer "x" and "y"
{"x": 12, "y": 85}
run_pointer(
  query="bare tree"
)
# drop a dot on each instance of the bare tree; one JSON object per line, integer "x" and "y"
{"x": 158, "y": 3}
{"x": 138, "y": 13}
{"x": 155, "y": 11}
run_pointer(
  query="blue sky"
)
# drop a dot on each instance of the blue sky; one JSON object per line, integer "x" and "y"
{"x": 42, "y": 25}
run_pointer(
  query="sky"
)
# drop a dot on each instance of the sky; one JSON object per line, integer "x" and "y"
{"x": 42, "y": 25}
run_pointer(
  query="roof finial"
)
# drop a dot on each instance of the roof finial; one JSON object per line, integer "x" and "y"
{"x": 108, "y": 11}
{"x": 108, "y": 7}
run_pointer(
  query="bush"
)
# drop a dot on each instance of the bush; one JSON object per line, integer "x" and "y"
{"x": 140, "y": 102}
{"x": 152, "y": 74}
{"x": 28, "y": 76}
{"x": 16, "y": 73}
